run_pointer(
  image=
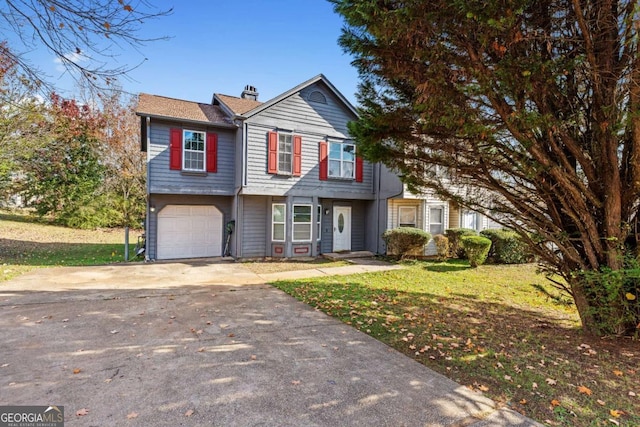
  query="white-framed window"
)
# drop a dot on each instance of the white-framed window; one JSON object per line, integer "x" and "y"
{"x": 469, "y": 219}
{"x": 302, "y": 223}
{"x": 285, "y": 153}
{"x": 407, "y": 216}
{"x": 436, "y": 220}
{"x": 342, "y": 160}
{"x": 319, "y": 222}
{"x": 193, "y": 150}
{"x": 278, "y": 222}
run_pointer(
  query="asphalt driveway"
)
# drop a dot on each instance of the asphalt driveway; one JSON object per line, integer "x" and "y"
{"x": 206, "y": 344}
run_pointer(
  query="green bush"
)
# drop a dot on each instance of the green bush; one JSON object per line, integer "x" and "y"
{"x": 442, "y": 246}
{"x": 403, "y": 241}
{"x": 455, "y": 245}
{"x": 476, "y": 248}
{"x": 507, "y": 247}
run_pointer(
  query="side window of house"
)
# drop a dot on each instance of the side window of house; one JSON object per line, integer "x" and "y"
{"x": 278, "y": 222}
{"x": 284, "y": 153}
{"x": 193, "y": 150}
{"x": 407, "y": 216}
{"x": 436, "y": 220}
{"x": 302, "y": 223}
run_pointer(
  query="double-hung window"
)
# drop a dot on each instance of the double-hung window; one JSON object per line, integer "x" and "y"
{"x": 193, "y": 151}
{"x": 285, "y": 153}
{"x": 278, "y": 222}
{"x": 436, "y": 220}
{"x": 469, "y": 219}
{"x": 342, "y": 160}
{"x": 319, "y": 222}
{"x": 302, "y": 223}
{"x": 407, "y": 216}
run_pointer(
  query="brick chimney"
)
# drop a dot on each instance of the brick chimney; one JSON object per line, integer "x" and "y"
{"x": 250, "y": 92}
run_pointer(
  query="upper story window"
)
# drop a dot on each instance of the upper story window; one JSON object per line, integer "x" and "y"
{"x": 193, "y": 151}
{"x": 284, "y": 155}
{"x": 193, "y": 154}
{"x": 342, "y": 160}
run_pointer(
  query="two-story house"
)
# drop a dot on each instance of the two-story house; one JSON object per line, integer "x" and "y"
{"x": 285, "y": 171}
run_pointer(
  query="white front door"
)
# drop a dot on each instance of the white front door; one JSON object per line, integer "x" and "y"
{"x": 341, "y": 228}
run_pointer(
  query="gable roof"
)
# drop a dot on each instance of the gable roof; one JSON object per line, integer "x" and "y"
{"x": 292, "y": 91}
{"x": 171, "y": 108}
{"x": 237, "y": 105}
{"x": 245, "y": 108}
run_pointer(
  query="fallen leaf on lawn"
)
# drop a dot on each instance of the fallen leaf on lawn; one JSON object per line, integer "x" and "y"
{"x": 614, "y": 422}
{"x": 189, "y": 413}
{"x": 584, "y": 390}
{"x": 600, "y": 402}
{"x": 82, "y": 412}
{"x": 630, "y": 296}
{"x": 483, "y": 388}
{"x": 132, "y": 415}
{"x": 507, "y": 377}
{"x": 77, "y": 371}
{"x": 555, "y": 402}
{"x": 523, "y": 402}
{"x": 615, "y": 413}
{"x": 632, "y": 394}
{"x": 551, "y": 381}
{"x": 617, "y": 373}
{"x": 534, "y": 385}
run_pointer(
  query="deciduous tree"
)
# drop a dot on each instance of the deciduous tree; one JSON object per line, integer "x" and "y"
{"x": 533, "y": 108}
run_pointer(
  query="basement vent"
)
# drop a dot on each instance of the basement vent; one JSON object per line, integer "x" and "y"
{"x": 317, "y": 96}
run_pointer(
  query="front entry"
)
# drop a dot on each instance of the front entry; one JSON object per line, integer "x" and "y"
{"x": 341, "y": 228}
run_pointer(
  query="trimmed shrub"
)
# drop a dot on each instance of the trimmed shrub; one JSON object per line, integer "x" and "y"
{"x": 442, "y": 246}
{"x": 404, "y": 240}
{"x": 455, "y": 245}
{"x": 476, "y": 248}
{"x": 507, "y": 247}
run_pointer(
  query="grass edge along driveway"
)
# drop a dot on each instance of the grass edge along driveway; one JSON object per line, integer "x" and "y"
{"x": 499, "y": 330}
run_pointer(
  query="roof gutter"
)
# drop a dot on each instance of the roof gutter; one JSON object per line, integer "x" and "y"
{"x": 199, "y": 122}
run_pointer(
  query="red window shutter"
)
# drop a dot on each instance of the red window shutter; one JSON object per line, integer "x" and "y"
{"x": 175, "y": 149}
{"x": 212, "y": 152}
{"x": 272, "y": 157}
{"x": 297, "y": 155}
{"x": 324, "y": 161}
{"x": 359, "y": 167}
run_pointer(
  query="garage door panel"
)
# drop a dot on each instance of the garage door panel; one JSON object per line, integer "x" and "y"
{"x": 189, "y": 231}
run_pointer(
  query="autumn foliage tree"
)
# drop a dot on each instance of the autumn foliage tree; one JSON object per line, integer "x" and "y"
{"x": 533, "y": 109}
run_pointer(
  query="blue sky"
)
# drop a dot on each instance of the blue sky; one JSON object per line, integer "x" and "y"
{"x": 221, "y": 46}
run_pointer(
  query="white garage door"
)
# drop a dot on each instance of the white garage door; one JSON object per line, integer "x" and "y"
{"x": 189, "y": 232}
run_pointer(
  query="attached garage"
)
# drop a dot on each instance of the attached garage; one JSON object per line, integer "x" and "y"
{"x": 189, "y": 231}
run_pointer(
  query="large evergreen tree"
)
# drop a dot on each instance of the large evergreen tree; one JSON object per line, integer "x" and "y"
{"x": 533, "y": 110}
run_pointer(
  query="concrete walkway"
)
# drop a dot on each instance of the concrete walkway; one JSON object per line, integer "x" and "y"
{"x": 208, "y": 344}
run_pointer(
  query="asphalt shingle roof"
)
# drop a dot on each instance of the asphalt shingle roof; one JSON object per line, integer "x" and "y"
{"x": 238, "y": 105}
{"x": 161, "y": 106}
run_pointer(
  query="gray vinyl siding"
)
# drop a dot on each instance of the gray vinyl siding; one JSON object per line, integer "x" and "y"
{"x": 166, "y": 181}
{"x": 255, "y": 222}
{"x": 159, "y": 201}
{"x": 314, "y": 122}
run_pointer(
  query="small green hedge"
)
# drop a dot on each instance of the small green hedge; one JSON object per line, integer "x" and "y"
{"x": 455, "y": 244}
{"x": 403, "y": 241}
{"x": 442, "y": 246}
{"x": 476, "y": 248}
{"x": 507, "y": 247}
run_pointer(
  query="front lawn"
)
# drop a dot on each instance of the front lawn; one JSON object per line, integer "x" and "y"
{"x": 499, "y": 330}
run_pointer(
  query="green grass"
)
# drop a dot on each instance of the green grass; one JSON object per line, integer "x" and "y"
{"x": 27, "y": 243}
{"x": 499, "y": 330}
